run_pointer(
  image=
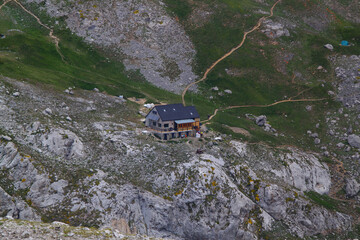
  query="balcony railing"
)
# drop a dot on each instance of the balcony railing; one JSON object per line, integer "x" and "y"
{"x": 157, "y": 129}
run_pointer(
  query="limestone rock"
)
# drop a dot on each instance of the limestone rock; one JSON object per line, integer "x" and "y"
{"x": 6, "y": 138}
{"x": 15, "y": 208}
{"x": 48, "y": 111}
{"x": 352, "y": 187}
{"x": 275, "y": 29}
{"x": 354, "y": 140}
{"x": 261, "y": 120}
{"x": 329, "y": 46}
{"x": 63, "y": 143}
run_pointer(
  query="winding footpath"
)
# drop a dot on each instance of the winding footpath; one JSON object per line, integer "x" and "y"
{"x": 230, "y": 52}
{"x": 2, "y": 5}
{"x": 257, "y": 26}
{"x": 263, "y": 106}
{"x": 51, "y": 31}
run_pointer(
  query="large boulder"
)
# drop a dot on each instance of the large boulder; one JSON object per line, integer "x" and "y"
{"x": 15, "y": 208}
{"x": 260, "y": 120}
{"x": 354, "y": 140}
{"x": 352, "y": 187}
{"x": 44, "y": 194}
{"x": 63, "y": 143}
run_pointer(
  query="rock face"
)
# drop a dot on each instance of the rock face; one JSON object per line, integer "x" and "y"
{"x": 346, "y": 69}
{"x": 354, "y": 140}
{"x": 10, "y": 162}
{"x": 275, "y": 29}
{"x": 100, "y": 168}
{"x": 63, "y": 143}
{"x": 304, "y": 171}
{"x": 301, "y": 170}
{"x": 141, "y": 33}
{"x": 352, "y": 187}
{"x": 15, "y": 229}
{"x": 260, "y": 120}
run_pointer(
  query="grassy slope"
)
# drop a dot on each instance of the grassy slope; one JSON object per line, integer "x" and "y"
{"x": 31, "y": 56}
{"x": 260, "y": 82}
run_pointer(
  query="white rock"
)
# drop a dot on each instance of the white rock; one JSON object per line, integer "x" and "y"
{"x": 352, "y": 187}
{"x": 59, "y": 223}
{"x": 340, "y": 145}
{"x": 63, "y": 143}
{"x": 6, "y": 138}
{"x": 48, "y": 111}
{"x": 329, "y": 46}
{"x": 16, "y": 94}
{"x": 354, "y": 140}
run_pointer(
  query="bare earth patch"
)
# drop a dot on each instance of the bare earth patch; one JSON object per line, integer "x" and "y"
{"x": 240, "y": 130}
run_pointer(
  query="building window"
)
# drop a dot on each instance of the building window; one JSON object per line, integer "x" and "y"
{"x": 154, "y": 112}
{"x": 154, "y": 123}
{"x": 159, "y": 125}
{"x": 166, "y": 125}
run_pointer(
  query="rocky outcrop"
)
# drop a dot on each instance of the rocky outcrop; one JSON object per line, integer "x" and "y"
{"x": 354, "y": 140}
{"x": 15, "y": 208}
{"x": 141, "y": 33}
{"x": 11, "y": 229}
{"x": 352, "y": 187}
{"x": 14, "y": 168}
{"x": 346, "y": 69}
{"x": 99, "y": 169}
{"x": 305, "y": 172}
{"x": 275, "y": 29}
{"x": 63, "y": 143}
{"x": 301, "y": 170}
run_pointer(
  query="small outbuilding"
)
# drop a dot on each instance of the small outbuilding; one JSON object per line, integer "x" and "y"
{"x": 173, "y": 121}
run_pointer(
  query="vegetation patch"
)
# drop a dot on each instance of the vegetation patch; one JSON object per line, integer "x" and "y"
{"x": 323, "y": 200}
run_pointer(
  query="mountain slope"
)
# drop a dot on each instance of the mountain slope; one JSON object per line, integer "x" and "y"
{"x": 83, "y": 157}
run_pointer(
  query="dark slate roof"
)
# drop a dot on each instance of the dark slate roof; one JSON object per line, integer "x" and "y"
{"x": 176, "y": 112}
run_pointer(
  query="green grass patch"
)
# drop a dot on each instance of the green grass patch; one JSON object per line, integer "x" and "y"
{"x": 31, "y": 56}
{"x": 181, "y": 8}
{"x": 323, "y": 200}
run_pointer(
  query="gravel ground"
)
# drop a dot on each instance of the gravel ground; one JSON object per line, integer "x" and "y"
{"x": 17, "y": 229}
{"x": 347, "y": 71}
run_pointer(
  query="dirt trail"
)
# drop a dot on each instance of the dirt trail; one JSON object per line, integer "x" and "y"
{"x": 264, "y": 106}
{"x": 51, "y": 31}
{"x": 230, "y": 52}
{"x": 2, "y": 5}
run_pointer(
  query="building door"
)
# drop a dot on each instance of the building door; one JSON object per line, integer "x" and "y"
{"x": 165, "y": 136}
